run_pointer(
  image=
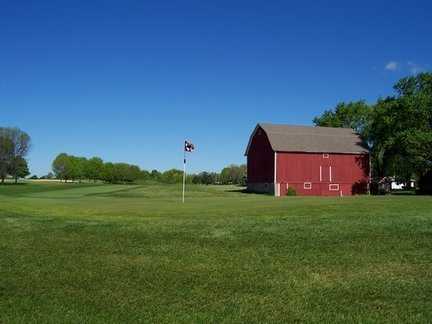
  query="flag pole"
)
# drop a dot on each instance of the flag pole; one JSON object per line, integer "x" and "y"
{"x": 184, "y": 174}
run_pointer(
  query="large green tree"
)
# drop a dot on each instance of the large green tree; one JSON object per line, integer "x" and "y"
{"x": 397, "y": 129}
{"x": 14, "y": 146}
{"x": 412, "y": 126}
{"x": 6, "y": 153}
{"x": 355, "y": 115}
{"x": 18, "y": 168}
{"x": 20, "y": 141}
{"x": 62, "y": 167}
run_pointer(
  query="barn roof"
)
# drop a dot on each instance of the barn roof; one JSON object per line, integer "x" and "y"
{"x": 310, "y": 139}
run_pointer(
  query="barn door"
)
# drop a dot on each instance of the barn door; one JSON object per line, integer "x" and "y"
{"x": 326, "y": 173}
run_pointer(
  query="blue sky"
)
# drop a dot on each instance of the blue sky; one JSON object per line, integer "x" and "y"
{"x": 130, "y": 80}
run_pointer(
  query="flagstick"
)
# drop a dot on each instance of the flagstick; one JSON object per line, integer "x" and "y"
{"x": 184, "y": 174}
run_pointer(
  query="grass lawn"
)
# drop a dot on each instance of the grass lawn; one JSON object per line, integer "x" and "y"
{"x": 125, "y": 253}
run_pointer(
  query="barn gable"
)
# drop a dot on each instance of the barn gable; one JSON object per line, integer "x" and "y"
{"x": 260, "y": 167}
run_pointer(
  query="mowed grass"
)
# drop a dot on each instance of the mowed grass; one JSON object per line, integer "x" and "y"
{"x": 88, "y": 253}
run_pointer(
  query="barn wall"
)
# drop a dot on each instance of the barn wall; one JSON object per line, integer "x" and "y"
{"x": 349, "y": 171}
{"x": 260, "y": 164}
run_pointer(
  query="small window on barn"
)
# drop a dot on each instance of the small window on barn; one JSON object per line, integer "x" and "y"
{"x": 326, "y": 156}
{"x": 259, "y": 132}
{"x": 334, "y": 187}
{"x": 307, "y": 185}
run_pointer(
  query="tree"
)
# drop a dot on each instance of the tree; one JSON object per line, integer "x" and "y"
{"x": 401, "y": 130}
{"x": 63, "y": 167}
{"x": 20, "y": 142}
{"x": 134, "y": 173}
{"x": 108, "y": 173}
{"x": 93, "y": 168}
{"x": 172, "y": 176}
{"x": 380, "y": 136}
{"x": 355, "y": 115}
{"x": 155, "y": 175}
{"x": 14, "y": 145}
{"x": 397, "y": 129}
{"x": 18, "y": 168}
{"x": 233, "y": 174}
{"x": 425, "y": 184}
{"x": 421, "y": 84}
{"x": 78, "y": 166}
{"x": 125, "y": 172}
{"x": 207, "y": 178}
{"x": 144, "y": 175}
{"x": 6, "y": 153}
{"x": 50, "y": 175}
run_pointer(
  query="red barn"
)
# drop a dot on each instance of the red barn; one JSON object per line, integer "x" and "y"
{"x": 320, "y": 161}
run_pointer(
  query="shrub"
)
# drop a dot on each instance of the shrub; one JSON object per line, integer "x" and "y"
{"x": 425, "y": 184}
{"x": 379, "y": 188}
{"x": 291, "y": 191}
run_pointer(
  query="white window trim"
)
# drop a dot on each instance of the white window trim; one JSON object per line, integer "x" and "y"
{"x": 309, "y": 184}
{"x": 330, "y": 171}
{"x": 320, "y": 173}
{"x": 326, "y": 155}
{"x": 334, "y": 184}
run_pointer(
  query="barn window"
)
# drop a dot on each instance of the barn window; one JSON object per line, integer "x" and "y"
{"x": 307, "y": 185}
{"x": 326, "y": 156}
{"x": 334, "y": 187}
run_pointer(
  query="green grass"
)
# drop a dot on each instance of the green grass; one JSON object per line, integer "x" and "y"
{"x": 133, "y": 253}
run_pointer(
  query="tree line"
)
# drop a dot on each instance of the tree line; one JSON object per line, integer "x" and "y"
{"x": 73, "y": 168}
{"x": 232, "y": 174}
{"x": 14, "y": 146}
{"x": 397, "y": 129}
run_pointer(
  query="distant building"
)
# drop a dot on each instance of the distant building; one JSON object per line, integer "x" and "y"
{"x": 321, "y": 161}
{"x": 390, "y": 183}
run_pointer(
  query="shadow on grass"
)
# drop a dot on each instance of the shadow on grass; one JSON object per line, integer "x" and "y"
{"x": 247, "y": 192}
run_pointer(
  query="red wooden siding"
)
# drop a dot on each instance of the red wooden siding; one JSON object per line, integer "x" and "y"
{"x": 260, "y": 159}
{"x": 349, "y": 171}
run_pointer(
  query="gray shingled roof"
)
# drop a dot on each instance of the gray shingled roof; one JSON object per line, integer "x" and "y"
{"x": 287, "y": 138}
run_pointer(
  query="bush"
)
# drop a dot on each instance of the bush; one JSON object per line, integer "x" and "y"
{"x": 379, "y": 188}
{"x": 291, "y": 191}
{"x": 425, "y": 184}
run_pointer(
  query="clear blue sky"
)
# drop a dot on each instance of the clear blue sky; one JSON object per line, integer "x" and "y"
{"x": 130, "y": 80}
